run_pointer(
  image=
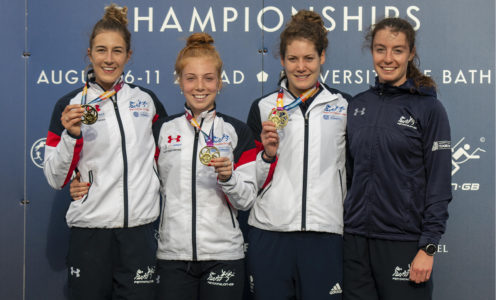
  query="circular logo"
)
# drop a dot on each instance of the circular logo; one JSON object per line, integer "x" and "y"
{"x": 38, "y": 152}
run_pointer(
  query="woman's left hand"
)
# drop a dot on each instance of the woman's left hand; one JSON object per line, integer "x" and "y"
{"x": 421, "y": 267}
{"x": 223, "y": 167}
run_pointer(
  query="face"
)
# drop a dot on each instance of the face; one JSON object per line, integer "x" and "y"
{"x": 108, "y": 56}
{"x": 199, "y": 82}
{"x": 391, "y": 54}
{"x": 302, "y": 65}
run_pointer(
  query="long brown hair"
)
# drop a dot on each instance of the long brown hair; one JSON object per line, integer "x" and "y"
{"x": 401, "y": 25}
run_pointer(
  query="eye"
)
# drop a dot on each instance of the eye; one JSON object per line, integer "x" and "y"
{"x": 398, "y": 51}
{"x": 292, "y": 59}
{"x": 309, "y": 58}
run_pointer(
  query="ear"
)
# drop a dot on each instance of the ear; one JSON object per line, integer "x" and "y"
{"x": 282, "y": 63}
{"x": 412, "y": 54}
{"x": 88, "y": 53}
{"x": 129, "y": 53}
{"x": 322, "y": 57}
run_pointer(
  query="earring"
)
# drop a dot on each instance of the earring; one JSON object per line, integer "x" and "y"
{"x": 218, "y": 92}
{"x": 181, "y": 92}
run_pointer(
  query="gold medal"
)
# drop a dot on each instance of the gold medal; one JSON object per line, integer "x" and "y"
{"x": 280, "y": 117}
{"x": 90, "y": 114}
{"x": 207, "y": 153}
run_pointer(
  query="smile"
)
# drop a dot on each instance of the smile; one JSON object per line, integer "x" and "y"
{"x": 200, "y": 96}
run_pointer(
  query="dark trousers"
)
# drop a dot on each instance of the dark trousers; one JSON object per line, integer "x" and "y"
{"x": 200, "y": 280}
{"x": 112, "y": 263}
{"x": 294, "y": 265}
{"x": 375, "y": 269}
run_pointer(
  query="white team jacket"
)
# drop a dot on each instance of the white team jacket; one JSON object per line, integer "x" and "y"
{"x": 305, "y": 189}
{"x": 199, "y": 212}
{"x": 116, "y": 155}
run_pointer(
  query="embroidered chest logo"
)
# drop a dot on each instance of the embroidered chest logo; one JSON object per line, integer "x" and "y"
{"x": 177, "y": 139}
{"x": 334, "y": 112}
{"x": 139, "y": 108}
{"x": 75, "y": 272}
{"x": 359, "y": 111}
{"x": 410, "y": 122}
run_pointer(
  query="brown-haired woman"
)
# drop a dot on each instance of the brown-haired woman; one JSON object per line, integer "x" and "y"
{"x": 98, "y": 132}
{"x": 295, "y": 239}
{"x": 207, "y": 169}
{"x": 400, "y": 160}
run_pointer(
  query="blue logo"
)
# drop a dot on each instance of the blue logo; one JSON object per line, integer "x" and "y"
{"x": 138, "y": 104}
{"x": 38, "y": 152}
{"x": 334, "y": 109}
{"x": 223, "y": 139}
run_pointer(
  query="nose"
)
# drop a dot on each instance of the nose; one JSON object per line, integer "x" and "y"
{"x": 108, "y": 57}
{"x": 389, "y": 56}
{"x": 300, "y": 66}
{"x": 200, "y": 85}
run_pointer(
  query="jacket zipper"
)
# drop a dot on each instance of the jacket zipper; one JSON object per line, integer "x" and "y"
{"x": 90, "y": 180}
{"x": 193, "y": 195}
{"x": 341, "y": 185}
{"x": 124, "y": 158}
{"x": 305, "y": 171}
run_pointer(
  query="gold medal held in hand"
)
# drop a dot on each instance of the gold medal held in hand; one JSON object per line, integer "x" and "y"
{"x": 280, "y": 117}
{"x": 90, "y": 115}
{"x": 207, "y": 153}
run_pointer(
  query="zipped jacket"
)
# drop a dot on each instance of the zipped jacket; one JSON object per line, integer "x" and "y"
{"x": 400, "y": 159}
{"x": 305, "y": 188}
{"x": 115, "y": 154}
{"x": 199, "y": 213}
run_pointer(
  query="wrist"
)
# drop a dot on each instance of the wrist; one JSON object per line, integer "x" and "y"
{"x": 429, "y": 249}
{"x": 267, "y": 158}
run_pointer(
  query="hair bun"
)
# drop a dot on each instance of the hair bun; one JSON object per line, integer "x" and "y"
{"x": 308, "y": 16}
{"x": 116, "y": 13}
{"x": 199, "y": 39}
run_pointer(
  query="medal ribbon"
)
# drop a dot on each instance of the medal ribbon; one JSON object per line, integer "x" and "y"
{"x": 104, "y": 95}
{"x": 209, "y": 138}
{"x": 303, "y": 97}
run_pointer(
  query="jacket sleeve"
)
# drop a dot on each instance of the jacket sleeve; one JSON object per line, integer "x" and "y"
{"x": 61, "y": 151}
{"x": 241, "y": 188}
{"x": 265, "y": 170}
{"x": 437, "y": 162}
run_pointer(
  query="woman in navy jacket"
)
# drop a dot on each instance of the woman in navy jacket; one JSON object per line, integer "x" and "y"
{"x": 400, "y": 168}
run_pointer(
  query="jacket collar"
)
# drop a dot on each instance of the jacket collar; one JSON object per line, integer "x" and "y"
{"x": 204, "y": 115}
{"x": 407, "y": 87}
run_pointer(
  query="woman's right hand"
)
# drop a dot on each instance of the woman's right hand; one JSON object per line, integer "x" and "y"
{"x": 71, "y": 119}
{"x": 270, "y": 139}
{"x": 77, "y": 188}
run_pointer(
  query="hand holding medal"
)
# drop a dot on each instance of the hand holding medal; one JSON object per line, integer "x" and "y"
{"x": 223, "y": 167}
{"x": 71, "y": 119}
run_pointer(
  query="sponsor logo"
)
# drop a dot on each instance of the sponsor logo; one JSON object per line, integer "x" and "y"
{"x": 462, "y": 154}
{"x": 360, "y": 111}
{"x": 144, "y": 277}
{"x": 222, "y": 279}
{"x": 262, "y": 76}
{"x": 38, "y": 152}
{"x": 177, "y": 139}
{"x": 157, "y": 280}
{"x": 336, "y": 289}
{"x": 410, "y": 122}
{"x": 441, "y": 145}
{"x": 401, "y": 274}
{"x": 75, "y": 272}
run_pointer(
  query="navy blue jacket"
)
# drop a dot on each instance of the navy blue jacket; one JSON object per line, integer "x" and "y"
{"x": 399, "y": 158}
